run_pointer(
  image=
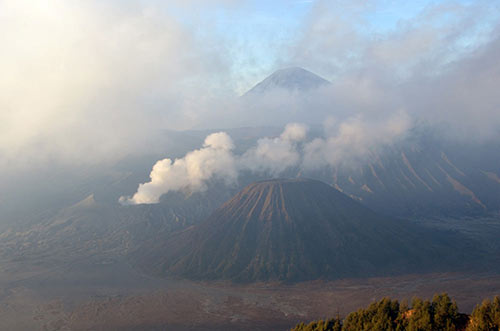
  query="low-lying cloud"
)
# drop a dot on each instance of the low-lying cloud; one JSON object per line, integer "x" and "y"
{"x": 88, "y": 82}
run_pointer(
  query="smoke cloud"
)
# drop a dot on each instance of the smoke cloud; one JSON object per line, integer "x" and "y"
{"x": 350, "y": 142}
{"x": 190, "y": 172}
{"x": 274, "y": 155}
{"x": 353, "y": 140}
{"x": 216, "y": 160}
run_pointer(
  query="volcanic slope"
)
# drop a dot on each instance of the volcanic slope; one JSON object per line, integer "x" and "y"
{"x": 290, "y": 230}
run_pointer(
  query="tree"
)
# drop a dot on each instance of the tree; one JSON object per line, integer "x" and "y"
{"x": 440, "y": 314}
{"x": 420, "y": 318}
{"x": 380, "y": 315}
{"x": 333, "y": 324}
{"x": 486, "y": 317}
{"x": 445, "y": 313}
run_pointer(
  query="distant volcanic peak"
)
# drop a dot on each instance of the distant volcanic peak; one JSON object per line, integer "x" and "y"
{"x": 290, "y": 79}
{"x": 296, "y": 74}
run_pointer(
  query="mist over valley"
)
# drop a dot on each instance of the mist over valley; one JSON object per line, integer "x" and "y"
{"x": 242, "y": 165}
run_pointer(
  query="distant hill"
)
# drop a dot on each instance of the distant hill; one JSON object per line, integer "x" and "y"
{"x": 294, "y": 229}
{"x": 423, "y": 177}
{"x": 290, "y": 79}
{"x": 101, "y": 230}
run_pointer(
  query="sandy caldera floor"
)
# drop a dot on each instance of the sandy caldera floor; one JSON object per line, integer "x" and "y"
{"x": 109, "y": 295}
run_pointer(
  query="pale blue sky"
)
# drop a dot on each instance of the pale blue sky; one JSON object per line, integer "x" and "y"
{"x": 257, "y": 35}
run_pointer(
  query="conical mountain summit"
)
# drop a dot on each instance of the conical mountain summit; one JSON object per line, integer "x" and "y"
{"x": 290, "y": 79}
{"x": 293, "y": 229}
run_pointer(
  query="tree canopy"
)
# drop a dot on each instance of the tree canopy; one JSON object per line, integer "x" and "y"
{"x": 439, "y": 314}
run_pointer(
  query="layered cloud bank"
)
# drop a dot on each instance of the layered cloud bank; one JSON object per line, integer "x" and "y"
{"x": 88, "y": 81}
{"x": 351, "y": 141}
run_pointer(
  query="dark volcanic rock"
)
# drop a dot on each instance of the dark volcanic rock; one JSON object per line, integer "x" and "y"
{"x": 293, "y": 229}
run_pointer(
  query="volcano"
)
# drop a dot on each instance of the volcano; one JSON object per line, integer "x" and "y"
{"x": 289, "y": 79}
{"x": 290, "y": 230}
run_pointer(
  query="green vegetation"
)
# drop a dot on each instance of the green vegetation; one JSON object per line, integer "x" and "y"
{"x": 334, "y": 324}
{"x": 486, "y": 317}
{"x": 440, "y": 314}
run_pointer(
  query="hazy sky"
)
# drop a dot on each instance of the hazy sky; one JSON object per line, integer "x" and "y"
{"x": 91, "y": 80}
{"x": 257, "y": 35}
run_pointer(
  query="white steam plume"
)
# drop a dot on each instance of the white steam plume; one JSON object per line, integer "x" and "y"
{"x": 274, "y": 155}
{"x": 216, "y": 159}
{"x": 353, "y": 140}
{"x": 189, "y": 172}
